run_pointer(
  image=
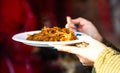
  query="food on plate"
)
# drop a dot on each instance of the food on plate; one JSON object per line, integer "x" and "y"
{"x": 52, "y": 34}
{"x": 82, "y": 44}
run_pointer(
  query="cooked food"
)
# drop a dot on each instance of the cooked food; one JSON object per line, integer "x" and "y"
{"x": 82, "y": 44}
{"x": 53, "y": 34}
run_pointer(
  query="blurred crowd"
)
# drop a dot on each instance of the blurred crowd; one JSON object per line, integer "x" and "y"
{"x": 26, "y": 15}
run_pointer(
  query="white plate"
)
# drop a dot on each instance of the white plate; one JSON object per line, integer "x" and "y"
{"x": 21, "y": 37}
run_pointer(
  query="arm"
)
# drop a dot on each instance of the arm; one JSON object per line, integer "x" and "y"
{"x": 108, "y": 61}
{"x": 96, "y": 54}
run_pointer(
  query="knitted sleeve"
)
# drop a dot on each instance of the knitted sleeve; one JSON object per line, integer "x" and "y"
{"x": 108, "y": 61}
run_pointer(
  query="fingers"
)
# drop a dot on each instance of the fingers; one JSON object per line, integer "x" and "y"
{"x": 69, "y": 22}
{"x": 68, "y": 19}
{"x": 81, "y": 21}
{"x": 70, "y": 49}
{"x": 81, "y": 53}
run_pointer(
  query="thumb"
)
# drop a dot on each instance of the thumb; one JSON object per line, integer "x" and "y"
{"x": 68, "y": 18}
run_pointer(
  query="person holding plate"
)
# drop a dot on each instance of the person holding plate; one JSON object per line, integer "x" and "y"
{"x": 101, "y": 54}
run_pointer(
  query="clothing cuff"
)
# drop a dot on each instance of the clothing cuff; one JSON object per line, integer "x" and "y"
{"x": 103, "y": 57}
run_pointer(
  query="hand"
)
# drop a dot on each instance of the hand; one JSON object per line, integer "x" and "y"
{"x": 87, "y": 55}
{"x": 84, "y": 26}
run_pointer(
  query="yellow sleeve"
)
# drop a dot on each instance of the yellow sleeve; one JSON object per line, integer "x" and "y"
{"x": 108, "y": 61}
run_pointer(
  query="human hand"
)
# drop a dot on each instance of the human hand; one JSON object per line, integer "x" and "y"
{"x": 87, "y": 55}
{"x": 84, "y": 26}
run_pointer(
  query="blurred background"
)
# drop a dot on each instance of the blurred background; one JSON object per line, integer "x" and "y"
{"x": 25, "y": 15}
